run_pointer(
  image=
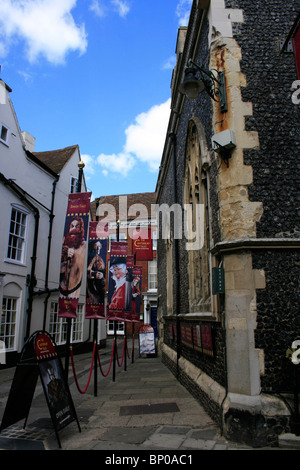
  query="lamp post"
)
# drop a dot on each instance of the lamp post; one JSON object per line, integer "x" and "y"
{"x": 69, "y": 320}
{"x": 81, "y": 166}
{"x": 115, "y": 321}
{"x": 213, "y": 85}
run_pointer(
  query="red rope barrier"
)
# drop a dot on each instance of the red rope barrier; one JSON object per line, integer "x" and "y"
{"x": 98, "y": 357}
{"x": 105, "y": 375}
{"x": 74, "y": 371}
{"x": 122, "y": 354}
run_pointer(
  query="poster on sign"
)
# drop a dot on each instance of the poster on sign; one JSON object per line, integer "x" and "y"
{"x": 96, "y": 272}
{"x": 116, "y": 299}
{"x": 142, "y": 245}
{"x": 146, "y": 340}
{"x": 73, "y": 253}
{"x": 56, "y": 390}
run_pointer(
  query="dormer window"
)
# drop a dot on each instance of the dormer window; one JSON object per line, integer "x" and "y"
{"x": 4, "y": 134}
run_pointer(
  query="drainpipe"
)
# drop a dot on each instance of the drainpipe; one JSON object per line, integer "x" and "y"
{"x": 19, "y": 192}
{"x": 51, "y": 217}
{"x": 32, "y": 273}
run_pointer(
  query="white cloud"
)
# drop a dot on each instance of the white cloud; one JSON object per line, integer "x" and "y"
{"x": 97, "y": 8}
{"x": 26, "y": 76}
{"x": 101, "y": 8}
{"x": 120, "y": 163}
{"x": 89, "y": 168}
{"x": 183, "y": 10}
{"x": 169, "y": 63}
{"x": 47, "y": 27}
{"x": 117, "y": 163}
{"x": 121, "y": 6}
{"x": 145, "y": 138}
{"x": 144, "y": 142}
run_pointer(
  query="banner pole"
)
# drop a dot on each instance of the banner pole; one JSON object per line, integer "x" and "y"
{"x": 95, "y": 358}
{"x": 68, "y": 343}
{"x": 115, "y": 322}
{"x": 132, "y": 357}
{"x": 69, "y": 320}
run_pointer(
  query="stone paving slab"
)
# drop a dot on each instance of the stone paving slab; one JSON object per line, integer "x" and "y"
{"x": 147, "y": 383}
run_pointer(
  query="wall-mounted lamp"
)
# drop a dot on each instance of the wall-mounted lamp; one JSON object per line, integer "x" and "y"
{"x": 215, "y": 87}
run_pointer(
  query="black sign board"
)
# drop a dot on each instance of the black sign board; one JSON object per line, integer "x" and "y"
{"x": 39, "y": 358}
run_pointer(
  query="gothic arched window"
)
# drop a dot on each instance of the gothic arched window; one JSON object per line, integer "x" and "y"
{"x": 197, "y": 223}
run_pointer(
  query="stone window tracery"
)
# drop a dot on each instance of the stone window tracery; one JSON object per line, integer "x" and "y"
{"x": 196, "y": 200}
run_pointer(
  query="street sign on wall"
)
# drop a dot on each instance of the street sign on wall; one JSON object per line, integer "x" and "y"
{"x": 218, "y": 281}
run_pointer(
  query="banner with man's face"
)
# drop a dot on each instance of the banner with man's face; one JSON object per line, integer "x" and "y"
{"x": 117, "y": 281}
{"x": 73, "y": 253}
{"x": 96, "y": 271}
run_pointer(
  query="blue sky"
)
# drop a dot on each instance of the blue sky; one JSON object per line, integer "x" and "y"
{"x": 95, "y": 73}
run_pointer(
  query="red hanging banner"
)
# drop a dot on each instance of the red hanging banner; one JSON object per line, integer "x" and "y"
{"x": 142, "y": 245}
{"x": 96, "y": 271}
{"x": 128, "y": 299}
{"x": 117, "y": 282}
{"x": 133, "y": 290}
{"x": 73, "y": 253}
{"x": 136, "y": 289}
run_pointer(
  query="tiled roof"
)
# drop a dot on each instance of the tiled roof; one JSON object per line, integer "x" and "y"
{"x": 146, "y": 199}
{"x": 56, "y": 159}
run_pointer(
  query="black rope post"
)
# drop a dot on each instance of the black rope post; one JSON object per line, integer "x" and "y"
{"x": 95, "y": 358}
{"x": 115, "y": 351}
{"x": 132, "y": 357}
{"x": 125, "y": 352}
